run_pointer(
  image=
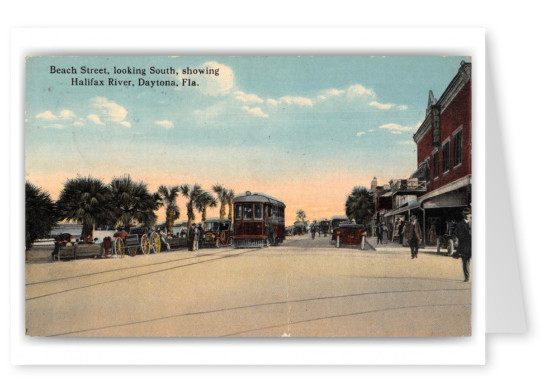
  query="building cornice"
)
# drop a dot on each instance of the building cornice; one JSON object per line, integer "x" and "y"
{"x": 456, "y": 85}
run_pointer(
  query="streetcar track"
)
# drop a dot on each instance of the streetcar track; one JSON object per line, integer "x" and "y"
{"x": 138, "y": 275}
{"x": 117, "y": 270}
{"x": 343, "y": 316}
{"x": 287, "y": 302}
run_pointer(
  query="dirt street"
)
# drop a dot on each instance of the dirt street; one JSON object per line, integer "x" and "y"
{"x": 303, "y": 288}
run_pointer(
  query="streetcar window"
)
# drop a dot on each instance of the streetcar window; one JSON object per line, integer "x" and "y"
{"x": 247, "y": 212}
{"x": 239, "y": 212}
{"x": 258, "y": 212}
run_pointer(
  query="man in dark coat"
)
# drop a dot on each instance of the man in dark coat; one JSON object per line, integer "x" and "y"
{"x": 379, "y": 232}
{"x": 413, "y": 236}
{"x": 191, "y": 238}
{"x": 463, "y": 233}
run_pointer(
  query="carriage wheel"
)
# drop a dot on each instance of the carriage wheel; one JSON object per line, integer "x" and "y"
{"x": 132, "y": 251}
{"x": 338, "y": 244}
{"x": 450, "y": 247}
{"x": 145, "y": 245}
{"x": 118, "y": 248}
{"x": 155, "y": 240}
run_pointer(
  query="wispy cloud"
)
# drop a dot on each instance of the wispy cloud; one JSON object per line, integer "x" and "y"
{"x": 256, "y": 111}
{"x": 360, "y": 134}
{"x": 63, "y": 115}
{"x": 292, "y": 100}
{"x": 109, "y": 110}
{"x": 396, "y": 128}
{"x": 402, "y": 107}
{"x": 357, "y": 90}
{"x": 66, "y": 114}
{"x": 47, "y": 115}
{"x": 247, "y": 98}
{"x": 95, "y": 119}
{"x": 382, "y": 106}
{"x": 165, "y": 124}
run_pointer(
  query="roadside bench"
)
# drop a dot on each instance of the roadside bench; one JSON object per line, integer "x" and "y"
{"x": 78, "y": 251}
{"x": 64, "y": 253}
{"x": 176, "y": 242}
{"x": 91, "y": 250}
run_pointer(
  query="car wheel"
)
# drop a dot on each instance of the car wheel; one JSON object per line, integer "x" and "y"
{"x": 450, "y": 247}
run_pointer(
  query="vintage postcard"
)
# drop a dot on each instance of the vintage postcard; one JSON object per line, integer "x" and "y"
{"x": 248, "y": 196}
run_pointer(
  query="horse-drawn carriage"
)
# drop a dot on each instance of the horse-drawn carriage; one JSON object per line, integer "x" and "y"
{"x": 324, "y": 227}
{"x": 139, "y": 239}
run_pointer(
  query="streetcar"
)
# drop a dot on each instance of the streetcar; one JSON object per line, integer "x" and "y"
{"x": 259, "y": 220}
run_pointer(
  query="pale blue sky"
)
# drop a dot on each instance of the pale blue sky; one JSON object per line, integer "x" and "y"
{"x": 285, "y": 118}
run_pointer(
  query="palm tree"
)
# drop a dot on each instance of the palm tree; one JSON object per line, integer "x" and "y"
{"x": 168, "y": 198}
{"x": 301, "y": 216}
{"x": 192, "y": 194}
{"x": 86, "y": 201}
{"x": 360, "y": 205}
{"x": 132, "y": 203}
{"x": 205, "y": 200}
{"x": 229, "y": 201}
{"x": 40, "y": 214}
{"x": 222, "y": 194}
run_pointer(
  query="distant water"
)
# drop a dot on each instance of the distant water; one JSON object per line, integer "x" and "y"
{"x": 76, "y": 231}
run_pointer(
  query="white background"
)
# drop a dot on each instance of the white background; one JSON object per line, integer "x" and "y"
{"x": 517, "y": 54}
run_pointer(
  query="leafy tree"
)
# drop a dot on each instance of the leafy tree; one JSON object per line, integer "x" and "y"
{"x": 132, "y": 203}
{"x": 222, "y": 194}
{"x": 40, "y": 214}
{"x": 301, "y": 216}
{"x": 168, "y": 198}
{"x": 229, "y": 201}
{"x": 205, "y": 200}
{"x": 360, "y": 205}
{"x": 86, "y": 201}
{"x": 192, "y": 193}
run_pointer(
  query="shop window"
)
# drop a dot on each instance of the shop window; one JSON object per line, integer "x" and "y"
{"x": 457, "y": 147}
{"x": 446, "y": 157}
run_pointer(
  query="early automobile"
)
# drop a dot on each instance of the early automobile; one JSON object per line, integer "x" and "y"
{"x": 259, "y": 220}
{"x": 217, "y": 233}
{"x": 351, "y": 234}
{"x": 336, "y": 220}
{"x": 448, "y": 242}
{"x": 299, "y": 228}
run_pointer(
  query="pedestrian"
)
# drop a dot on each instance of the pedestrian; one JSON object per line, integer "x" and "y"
{"x": 401, "y": 232}
{"x": 379, "y": 232}
{"x": 191, "y": 238}
{"x": 463, "y": 233}
{"x": 433, "y": 236}
{"x": 200, "y": 235}
{"x": 413, "y": 236}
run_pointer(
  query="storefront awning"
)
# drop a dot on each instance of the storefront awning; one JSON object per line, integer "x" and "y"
{"x": 458, "y": 184}
{"x": 413, "y": 204}
{"x": 453, "y": 199}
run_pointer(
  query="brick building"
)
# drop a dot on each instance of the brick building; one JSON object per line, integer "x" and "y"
{"x": 444, "y": 153}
